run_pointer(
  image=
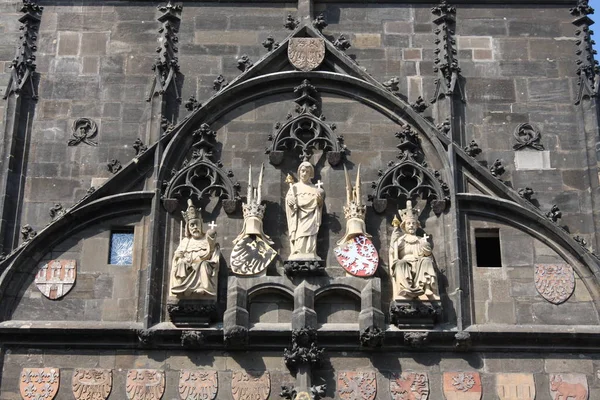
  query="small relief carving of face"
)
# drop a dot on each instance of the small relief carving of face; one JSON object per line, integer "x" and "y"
{"x": 305, "y": 174}
{"x": 410, "y": 226}
{"x": 195, "y": 228}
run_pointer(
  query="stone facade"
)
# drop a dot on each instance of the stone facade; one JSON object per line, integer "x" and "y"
{"x": 511, "y": 79}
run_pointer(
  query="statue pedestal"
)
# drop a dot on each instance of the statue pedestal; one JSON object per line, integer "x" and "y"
{"x": 415, "y": 313}
{"x": 304, "y": 267}
{"x": 191, "y": 313}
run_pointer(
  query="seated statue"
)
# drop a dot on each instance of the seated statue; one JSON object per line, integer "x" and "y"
{"x": 195, "y": 267}
{"x": 410, "y": 259}
{"x": 304, "y": 209}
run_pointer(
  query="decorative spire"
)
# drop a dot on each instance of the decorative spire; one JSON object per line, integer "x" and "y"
{"x": 587, "y": 66}
{"x": 445, "y": 62}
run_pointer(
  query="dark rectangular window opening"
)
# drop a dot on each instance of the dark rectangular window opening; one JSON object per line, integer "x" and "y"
{"x": 487, "y": 248}
{"x": 121, "y": 247}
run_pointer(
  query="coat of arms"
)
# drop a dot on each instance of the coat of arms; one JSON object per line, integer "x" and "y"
{"x": 358, "y": 256}
{"x": 39, "y": 383}
{"x": 56, "y": 278}
{"x": 515, "y": 386}
{"x": 197, "y": 385}
{"x": 462, "y": 386}
{"x": 92, "y": 383}
{"x": 568, "y": 386}
{"x": 145, "y": 384}
{"x": 409, "y": 386}
{"x": 306, "y": 54}
{"x": 251, "y": 385}
{"x": 356, "y": 385}
{"x": 554, "y": 283}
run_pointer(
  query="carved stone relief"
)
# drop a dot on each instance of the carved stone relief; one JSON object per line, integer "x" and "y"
{"x": 92, "y": 383}
{"x": 555, "y": 283}
{"x": 252, "y": 252}
{"x": 462, "y": 386}
{"x": 409, "y": 386}
{"x": 568, "y": 386}
{"x": 56, "y": 278}
{"x": 198, "y": 385}
{"x": 39, "y": 383}
{"x": 515, "y": 386}
{"x": 250, "y": 385}
{"x": 356, "y": 385}
{"x": 84, "y": 131}
{"x": 355, "y": 251}
{"x": 306, "y": 54}
{"x": 145, "y": 384}
{"x": 527, "y": 137}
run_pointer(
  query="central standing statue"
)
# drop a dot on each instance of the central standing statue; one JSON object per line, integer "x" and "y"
{"x": 304, "y": 210}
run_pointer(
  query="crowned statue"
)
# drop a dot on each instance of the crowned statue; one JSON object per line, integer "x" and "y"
{"x": 355, "y": 252}
{"x": 195, "y": 267}
{"x": 304, "y": 210}
{"x": 410, "y": 259}
{"x": 252, "y": 252}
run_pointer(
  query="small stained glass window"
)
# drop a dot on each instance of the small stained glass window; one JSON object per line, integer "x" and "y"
{"x": 121, "y": 247}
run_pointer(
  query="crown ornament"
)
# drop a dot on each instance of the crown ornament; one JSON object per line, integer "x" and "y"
{"x": 354, "y": 207}
{"x": 253, "y": 210}
{"x": 409, "y": 213}
{"x": 191, "y": 212}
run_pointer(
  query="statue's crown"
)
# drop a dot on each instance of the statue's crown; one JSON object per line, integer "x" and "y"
{"x": 354, "y": 210}
{"x": 409, "y": 213}
{"x": 191, "y": 212}
{"x": 253, "y": 209}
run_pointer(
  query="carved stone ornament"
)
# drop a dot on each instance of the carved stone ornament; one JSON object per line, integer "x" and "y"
{"x": 409, "y": 386}
{"x": 356, "y": 385}
{"x": 195, "y": 265}
{"x": 304, "y": 350}
{"x": 568, "y": 386}
{"x": 84, "y": 130}
{"x": 462, "y": 386}
{"x": 252, "y": 252}
{"x": 554, "y": 282}
{"x": 145, "y": 384}
{"x": 411, "y": 261}
{"x": 197, "y": 385}
{"x": 515, "y": 386}
{"x": 355, "y": 251}
{"x": 39, "y": 383}
{"x": 306, "y": 54}
{"x": 415, "y": 313}
{"x": 92, "y": 383}
{"x": 527, "y": 136}
{"x": 250, "y": 385}
{"x": 56, "y": 278}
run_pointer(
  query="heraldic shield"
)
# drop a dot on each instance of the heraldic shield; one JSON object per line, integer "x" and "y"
{"x": 409, "y": 386}
{"x": 554, "y": 283}
{"x": 56, "y": 278}
{"x": 145, "y": 384}
{"x": 198, "y": 385}
{"x": 462, "y": 386}
{"x": 358, "y": 256}
{"x": 251, "y": 385}
{"x": 92, "y": 383}
{"x": 306, "y": 54}
{"x": 515, "y": 386}
{"x": 39, "y": 383}
{"x": 356, "y": 385}
{"x": 569, "y": 386}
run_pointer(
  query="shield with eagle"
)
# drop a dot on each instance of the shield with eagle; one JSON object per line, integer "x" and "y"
{"x": 251, "y": 255}
{"x": 358, "y": 256}
{"x": 145, "y": 384}
{"x": 92, "y": 383}
{"x": 306, "y": 54}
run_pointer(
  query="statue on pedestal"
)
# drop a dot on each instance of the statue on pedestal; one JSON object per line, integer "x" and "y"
{"x": 410, "y": 259}
{"x": 195, "y": 266}
{"x": 304, "y": 210}
{"x": 355, "y": 251}
{"x": 252, "y": 252}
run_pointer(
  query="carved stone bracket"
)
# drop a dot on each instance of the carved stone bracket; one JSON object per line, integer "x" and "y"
{"x": 587, "y": 66}
{"x": 304, "y": 267}
{"x": 306, "y": 132}
{"x": 166, "y": 66}
{"x": 304, "y": 350}
{"x": 192, "y": 313}
{"x": 445, "y": 62}
{"x": 192, "y": 339}
{"x": 415, "y": 313}
{"x": 409, "y": 177}
{"x": 200, "y": 176}
{"x": 372, "y": 337}
{"x": 23, "y": 65}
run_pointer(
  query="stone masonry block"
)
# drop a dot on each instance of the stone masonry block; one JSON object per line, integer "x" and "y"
{"x": 94, "y": 43}
{"x": 474, "y": 42}
{"x": 68, "y": 43}
{"x": 249, "y": 38}
{"x": 367, "y": 40}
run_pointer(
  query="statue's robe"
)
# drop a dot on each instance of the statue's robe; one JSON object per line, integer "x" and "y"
{"x": 304, "y": 220}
